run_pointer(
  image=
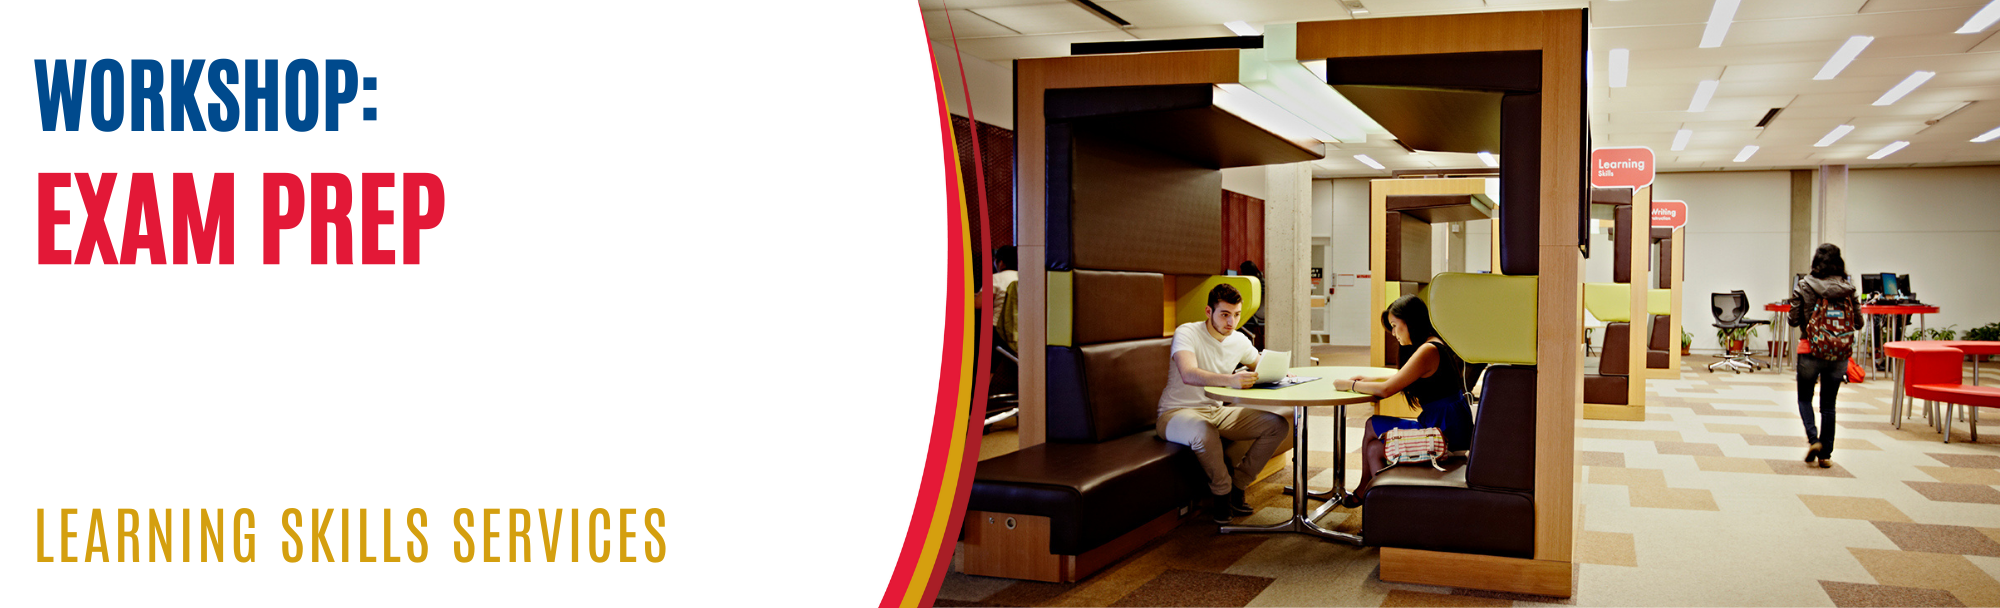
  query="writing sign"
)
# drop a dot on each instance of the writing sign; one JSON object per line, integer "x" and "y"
{"x": 1670, "y": 214}
{"x": 1621, "y": 167}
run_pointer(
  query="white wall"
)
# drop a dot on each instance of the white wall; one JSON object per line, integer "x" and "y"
{"x": 1349, "y": 314}
{"x": 1247, "y": 181}
{"x": 992, "y": 87}
{"x": 1739, "y": 225}
{"x": 1940, "y": 226}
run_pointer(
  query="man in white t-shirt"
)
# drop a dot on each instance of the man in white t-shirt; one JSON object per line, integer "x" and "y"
{"x": 1207, "y": 354}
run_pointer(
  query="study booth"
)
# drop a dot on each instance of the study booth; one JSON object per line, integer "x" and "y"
{"x": 1663, "y": 301}
{"x": 1090, "y": 483}
{"x": 1616, "y": 389}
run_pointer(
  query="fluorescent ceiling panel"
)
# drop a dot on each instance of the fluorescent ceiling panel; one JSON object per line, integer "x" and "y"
{"x": 1887, "y": 150}
{"x": 1745, "y": 154}
{"x": 1681, "y": 139}
{"x": 1987, "y": 136}
{"x": 1982, "y": 19}
{"x": 1702, "y": 93}
{"x": 1718, "y": 23}
{"x": 1833, "y": 136}
{"x": 1494, "y": 161}
{"x": 1369, "y": 161}
{"x": 1842, "y": 57}
{"x": 1242, "y": 28}
{"x": 1620, "y": 58}
{"x": 1915, "y": 80}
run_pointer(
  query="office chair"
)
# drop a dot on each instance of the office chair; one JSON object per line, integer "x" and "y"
{"x": 1729, "y": 309}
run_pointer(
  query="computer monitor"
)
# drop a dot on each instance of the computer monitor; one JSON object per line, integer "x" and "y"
{"x": 1903, "y": 282}
{"x": 1871, "y": 283}
{"x": 1889, "y": 287}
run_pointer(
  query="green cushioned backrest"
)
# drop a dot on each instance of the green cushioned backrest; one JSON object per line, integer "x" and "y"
{"x": 1191, "y": 301}
{"x": 1609, "y": 302}
{"x": 1658, "y": 302}
{"x": 1486, "y": 318}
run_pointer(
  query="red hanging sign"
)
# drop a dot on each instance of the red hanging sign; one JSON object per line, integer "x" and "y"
{"x": 1621, "y": 167}
{"x": 1670, "y": 214}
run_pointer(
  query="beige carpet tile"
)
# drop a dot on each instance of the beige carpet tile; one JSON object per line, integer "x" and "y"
{"x": 1740, "y": 429}
{"x": 1987, "y": 477}
{"x": 1627, "y": 434}
{"x": 1400, "y": 597}
{"x": 1853, "y": 507}
{"x": 1658, "y": 417}
{"x": 1967, "y": 461}
{"x": 1969, "y": 583}
{"x": 1783, "y": 441}
{"x": 1847, "y": 443}
{"x": 1628, "y": 477}
{"x": 1931, "y": 538}
{"x": 1687, "y": 448}
{"x": 1600, "y": 459}
{"x": 1192, "y": 588}
{"x": 1956, "y": 492}
{"x": 1845, "y": 595}
{"x": 1606, "y": 549}
{"x": 1799, "y": 467}
{"x": 1661, "y": 497}
{"x": 1726, "y": 464}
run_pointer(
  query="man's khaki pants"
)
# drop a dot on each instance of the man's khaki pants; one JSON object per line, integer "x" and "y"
{"x": 1203, "y": 429}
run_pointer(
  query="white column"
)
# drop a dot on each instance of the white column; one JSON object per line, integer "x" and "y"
{"x": 1454, "y": 247}
{"x": 1833, "y": 205}
{"x": 1287, "y": 260}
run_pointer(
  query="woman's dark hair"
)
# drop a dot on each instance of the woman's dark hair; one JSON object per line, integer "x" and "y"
{"x": 1249, "y": 269}
{"x": 1827, "y": 263}
{"x": 1415, "y": 315}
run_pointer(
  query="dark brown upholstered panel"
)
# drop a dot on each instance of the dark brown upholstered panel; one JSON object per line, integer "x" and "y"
{"x": 1495, "y": 513}
{"x": 1091, "y": 492}
{"x": 1621, "y": 252}
{"x": 1408, "y": 248}
{"x": 1114, "y": 306}
{"x": 1666, "y": 263}
{"x": 1661, "y": 337}
{"x": 1521, "y": 184}
{"x": 1123, "y": 381}
{"x": 1610, "y": 390}
{"x": 1611, "y": 196}
{"x": 1133, "y": 209}
{"x": 1503, "y": 440}
{"x": 1657, "y": 359}
{"x": 1616, "y": 361}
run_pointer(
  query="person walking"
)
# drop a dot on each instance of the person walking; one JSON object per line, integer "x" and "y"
{"x": 1827, "y": 312}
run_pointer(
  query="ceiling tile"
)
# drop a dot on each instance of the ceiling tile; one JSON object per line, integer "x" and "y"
{"x": 1174, "y": 33}
{"x": 1752, "y": 10}
{"x": 965, "y": 24}
{"x": 1003, "y": 50}
{"x": 932, "y": 5}
{"x": 1046, "y": 19}
{"x": 1889, "y": 6}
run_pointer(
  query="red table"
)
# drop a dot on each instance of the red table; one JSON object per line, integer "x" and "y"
{"x": 1899, "y": 318}
{"x": 1782, "y": 328}
{"x": 1896, "y": 351}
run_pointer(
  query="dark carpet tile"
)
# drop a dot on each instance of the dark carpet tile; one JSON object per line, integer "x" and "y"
{"x": 1862, "y": 594}
{"x": 1956, "y": 492}
{"x": 1933, "y": 538}
{"x": 1190, "y": 588}
{"x": 1967, "y": 461}
{"x": 1794, "y": 466}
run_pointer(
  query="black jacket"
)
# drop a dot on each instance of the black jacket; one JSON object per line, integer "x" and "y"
{"x": 1810, "y": 290}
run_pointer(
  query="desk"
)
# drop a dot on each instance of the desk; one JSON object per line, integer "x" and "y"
{"x": 1782, "y": 329}
{"x": 1899, "y": 318}
{"x": 1299, "y": 397}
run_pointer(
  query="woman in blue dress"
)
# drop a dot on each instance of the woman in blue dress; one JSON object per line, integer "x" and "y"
{"x": 1432, "y": 376}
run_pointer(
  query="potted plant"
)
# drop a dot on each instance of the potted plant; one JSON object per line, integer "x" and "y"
{"x": 1687, "y": 341}
{"x": 1732, "y": 340}
{"x": 1989, "y": 332}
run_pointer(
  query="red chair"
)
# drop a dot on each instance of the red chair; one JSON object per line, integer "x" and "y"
{"x": 1936, "y": 373}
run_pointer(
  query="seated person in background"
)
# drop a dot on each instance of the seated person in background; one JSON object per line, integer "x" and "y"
{"x": 1207, "y": 353}
{"x": 1005, "y": 274}
{"x": 1431, "y": 377}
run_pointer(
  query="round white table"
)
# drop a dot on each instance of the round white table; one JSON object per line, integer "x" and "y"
{"x": 1316, "y": 393}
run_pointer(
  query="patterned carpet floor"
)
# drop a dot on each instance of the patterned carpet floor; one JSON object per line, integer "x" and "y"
{"x": 1705, "y": 503}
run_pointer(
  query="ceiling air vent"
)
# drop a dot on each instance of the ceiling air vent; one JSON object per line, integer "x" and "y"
{"x": 1768, "y": 116}
{"x": 1354, "y": 7}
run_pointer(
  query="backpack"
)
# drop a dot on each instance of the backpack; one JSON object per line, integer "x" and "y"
{"x": 1829, "y": 329}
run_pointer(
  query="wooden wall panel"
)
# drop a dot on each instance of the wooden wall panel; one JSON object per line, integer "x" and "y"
{"x": 1474, "y": 33}
{"x": 1559, "y": 385}
{"x": 1242, "y": 231}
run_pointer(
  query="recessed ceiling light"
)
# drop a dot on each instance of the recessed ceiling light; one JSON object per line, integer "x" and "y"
{"x": 1987, "y": 136}
{"x": 1833, "y": 136}
{"x": 1842, "y": 57}
{"x": 1681, "y": 139}
{"x": 1888, "y": 149}
{"x": 1915, "y": 80}
{"x": 1745, "y": 154}
{"x": 1702, "y": 93}
{"x": 1718, "y": 23}
{"x": 1242, "y": 28}
{"x": 1619, "y": 59}
{"x": 1369, "y": 161}
{"x": 1980, "y": 20}
{"x": 1494, "y": 161}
